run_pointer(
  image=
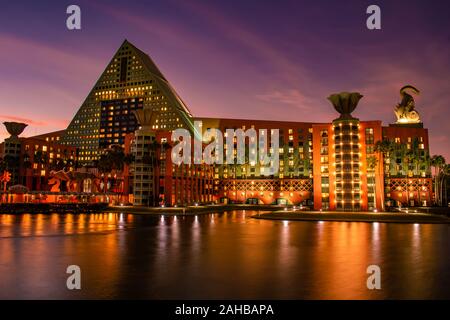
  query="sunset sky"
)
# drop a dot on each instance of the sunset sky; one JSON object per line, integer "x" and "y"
{"x": 275, "y": 60}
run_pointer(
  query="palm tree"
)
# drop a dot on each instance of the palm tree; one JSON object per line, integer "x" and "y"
{"x": 117, "y": 157}
{"x": 306, "y": 166}
{"x": 113, "y": 158}
{"x": 443, "y": 182}
{"x": 104, "y": 165}
{"x": 402, "y": 153}
{"x": 446, "y": 174}
{"x": 416, "y": 156}
{"x": 384, "y": 149}
{"x": 438, "y": 163}
{"x": 420, "y": 160}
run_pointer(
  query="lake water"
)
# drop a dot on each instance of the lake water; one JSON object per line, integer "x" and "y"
{"x": 218, "y": 256}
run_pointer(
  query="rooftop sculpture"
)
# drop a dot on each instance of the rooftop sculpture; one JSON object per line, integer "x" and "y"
{"x": 15, "y": 128}
{"x": 405, "y": 110}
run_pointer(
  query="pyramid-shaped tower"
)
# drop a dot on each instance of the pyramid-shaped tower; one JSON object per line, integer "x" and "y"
{"x": 130, "y": 81}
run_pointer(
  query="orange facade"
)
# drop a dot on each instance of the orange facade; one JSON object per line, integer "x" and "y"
{"x": 301, "y": 143}
{"x": 38, "y": 156}
{"x": 174, "y": 185}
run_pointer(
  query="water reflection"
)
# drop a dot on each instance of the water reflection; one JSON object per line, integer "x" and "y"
{"x": 226, "y": 255}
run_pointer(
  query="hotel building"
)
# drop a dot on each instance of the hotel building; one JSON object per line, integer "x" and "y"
{"x": 35, "y": 157}
{"x": 328, "y": 166}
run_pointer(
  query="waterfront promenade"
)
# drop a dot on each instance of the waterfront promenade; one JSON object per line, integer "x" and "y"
{"x": 391, "y": 217}
{"x": 271, "y": 212}
{"x": 267, "y": 212}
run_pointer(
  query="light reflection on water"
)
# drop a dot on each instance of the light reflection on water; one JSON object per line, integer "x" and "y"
{"x": 228, "y": 255}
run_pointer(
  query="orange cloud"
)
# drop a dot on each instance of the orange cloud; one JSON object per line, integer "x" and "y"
{"x": 24, "y": 120}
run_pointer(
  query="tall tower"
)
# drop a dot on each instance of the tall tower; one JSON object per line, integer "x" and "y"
{"x": 12, "y": 149}
{"x": 131, "y": 81}
{"x": 347, "y": 152}
{"x": 144, "y": 180}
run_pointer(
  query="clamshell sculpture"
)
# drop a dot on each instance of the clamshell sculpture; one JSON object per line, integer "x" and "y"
{"x": 15, "y": 128}
{"x": 345, "y": 103}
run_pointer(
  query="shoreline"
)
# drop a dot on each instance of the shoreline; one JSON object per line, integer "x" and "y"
{"x": 383, "y": 217}
{"x": 192, "y": 210}
{"x": 265, "y": 212}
